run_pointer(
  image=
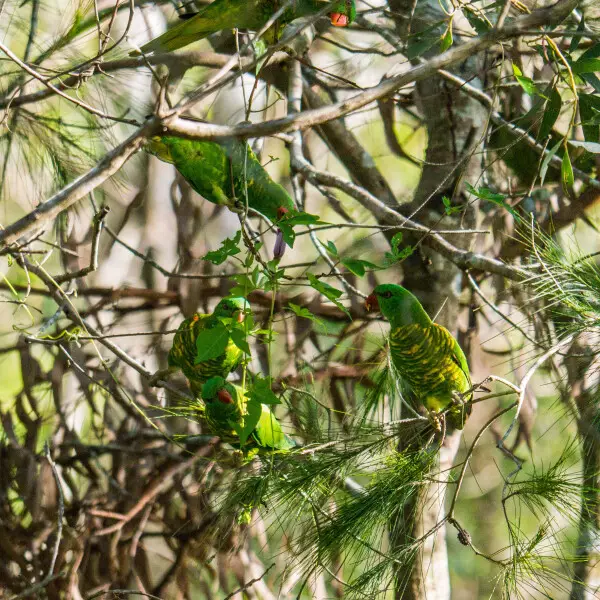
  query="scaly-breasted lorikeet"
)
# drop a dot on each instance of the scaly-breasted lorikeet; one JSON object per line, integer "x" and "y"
{"x": 425, "y": 354}
{"x": 185, "y": 348}
{"x": 223, "y": 172}
{"x": 245, "y": 14}
{"x": 228, "y": 413}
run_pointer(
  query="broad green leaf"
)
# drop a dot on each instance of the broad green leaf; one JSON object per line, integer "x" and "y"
{"x": 566, "y": 174}
{"x": 251, "y": 418}
{"x": 300, "y": 311}
{"x": 239, "y": 339}
{"x": 331, "y": 248}
{"x": 591, "y": 52}
{"x": 586, "y": 65}
{"x": 328, "y": 291}
{"x": 260, "y": 391}
{"x": 396, "y": 240}
{"x": 577, "y": 38}
{"x": 525, "y": 82}
{"x": 446, "y": 40}
{"x": 397, "y": 255}
{"x": 288, "y": 233}
{"x": 211, "y": 343}
{"x": 593, "y": 147}
{"x": 547, "y": 159}
{"x": 477, "y": 22}
{"x": 448, "y": 208}
{"x": 358, "y": 266}
{"x": 302, "y": 218}
{"x": 589, "y": 110}
{"x": 419, "y": 43}
{"x": 229, "y": 247}
{"x": 494, "y": 197}
{"x": 551, "y": 114}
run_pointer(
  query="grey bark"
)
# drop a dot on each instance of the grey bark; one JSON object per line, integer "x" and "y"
{"x": 454, "y": 125}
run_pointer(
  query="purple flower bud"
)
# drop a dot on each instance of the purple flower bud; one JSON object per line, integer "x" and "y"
{"x": 280, "y": 245}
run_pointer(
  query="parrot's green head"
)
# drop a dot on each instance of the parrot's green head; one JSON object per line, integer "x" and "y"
{"x": 216, "y": 389}
{"x": 397, "y": 305}
{"x": 233, "y": 308}
{"x": 342, "y": 13}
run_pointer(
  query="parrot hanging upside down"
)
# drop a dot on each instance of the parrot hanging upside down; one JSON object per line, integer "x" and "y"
{"x": 245, "y": 14}
{"x": 225, "y": 172}
{"x": 425, "y": 354}
{"x": 227, "y": 408}
{"x": 184, "y": 349}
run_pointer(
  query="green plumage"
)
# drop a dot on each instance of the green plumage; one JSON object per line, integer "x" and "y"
{"x": 223, "y": 173}
{"x": 184, "y": 349}
{"x": 425, "y": 354}
{"x": 241, "y": 14}
{"x": 227, "y": 410}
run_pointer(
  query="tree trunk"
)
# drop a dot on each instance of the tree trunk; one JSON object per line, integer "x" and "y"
{"x": 454, "y": 125}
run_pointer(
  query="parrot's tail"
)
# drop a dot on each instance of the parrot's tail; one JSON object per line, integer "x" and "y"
{"x": 179, "y": 36}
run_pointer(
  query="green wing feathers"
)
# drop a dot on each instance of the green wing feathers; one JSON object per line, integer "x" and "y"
{"x": 426, "y": 355}
{"x": 227, "y": 409}
{"x": 226, "y": 173}
{"x": 244, "y": 14}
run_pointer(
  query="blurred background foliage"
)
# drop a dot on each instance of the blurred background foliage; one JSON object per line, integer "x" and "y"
{"x": 152, "y": 501}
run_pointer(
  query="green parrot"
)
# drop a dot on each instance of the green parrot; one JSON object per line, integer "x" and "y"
{"x": 222, "y": 172}
{"x": 425, "y": 354}
{"x": 185, "y": 348}
{"x": 245, "y": 14}
{"x": 226, "y": 410}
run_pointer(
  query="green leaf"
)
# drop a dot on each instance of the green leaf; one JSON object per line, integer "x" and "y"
{"x": 288, "y": 233}
{"x": 551, "y": 114}
{"x": 446, "y": 40}
{"x": 396, "y": 240}
{"x": 331, "y": 248}
{"x": 525, "y": 82}
{"x": 478, "y": 23}
{"x": 211, "y": 343}
{"x": 229, "y": 247}
{"x": 300, "y": 311}
{"x": 547, "y": 159}
{"x": 566, "y": 174}
{"x": 586, "y": 65}
{"x": 577, "y": 38}
{"x": 261, "y": 392}
{"x": 589, "y": 110}
{"x": 448, "y": 208}
{"x": 494, "y": 197}
{"x": 328, "y": 291}
{"x": 238, "y": 337}
{"x": 358, "y": 266}
{"x": 251, "y": 419}
{"x": 301, "y": 218}
{"x": 405, "y": 253}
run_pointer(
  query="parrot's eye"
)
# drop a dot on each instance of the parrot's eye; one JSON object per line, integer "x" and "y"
{"x": 387, "y": 294}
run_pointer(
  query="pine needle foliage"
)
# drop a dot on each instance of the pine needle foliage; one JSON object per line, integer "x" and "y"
{"x": 569, "y": 286}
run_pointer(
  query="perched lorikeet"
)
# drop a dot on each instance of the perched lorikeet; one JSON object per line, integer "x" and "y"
{"x": 227, "y": 411}
{"x": 426, "y": 355}
{"x": 223, "y": 172}
{"x": 246, "y": 14}
{"x": 185, "y": 344}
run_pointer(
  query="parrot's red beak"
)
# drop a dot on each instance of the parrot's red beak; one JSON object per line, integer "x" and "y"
{"x": 281, "y": 212}
{"x": 224, "y": 397}
{"x": 339, "y": 20}
{"x": 241, "y": 316}
{"x": 371, "y": 303}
